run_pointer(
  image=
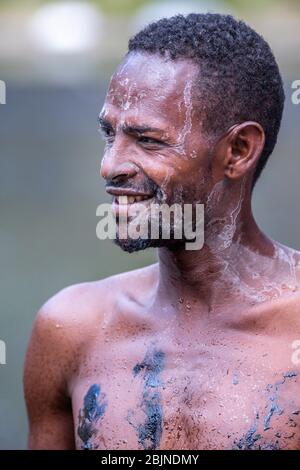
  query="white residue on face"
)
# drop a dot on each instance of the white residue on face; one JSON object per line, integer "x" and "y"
{"x": 187, "y": 103}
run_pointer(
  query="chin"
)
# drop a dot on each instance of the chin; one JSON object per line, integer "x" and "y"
{"x": 131, "y": 245}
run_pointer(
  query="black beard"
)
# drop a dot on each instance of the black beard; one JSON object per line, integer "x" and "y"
{"x": 131, "y": 245}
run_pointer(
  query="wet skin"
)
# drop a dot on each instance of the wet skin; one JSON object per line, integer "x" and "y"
{"x": 194, "y": 352}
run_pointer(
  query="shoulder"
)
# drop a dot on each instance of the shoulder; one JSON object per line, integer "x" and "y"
{"x": 66, "y": 323}
{"x": 71, "y": 315}
{"x": 85, "y": 302}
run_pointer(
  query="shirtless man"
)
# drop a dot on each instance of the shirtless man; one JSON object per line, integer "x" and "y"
{"x": 196, "y": 351}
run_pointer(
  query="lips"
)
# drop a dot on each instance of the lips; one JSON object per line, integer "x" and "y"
{"x": 127, "y": 192}
{"x": 124, "y": 199}
{"x": 125, "y": 196}
{"x": 127, "y": 201}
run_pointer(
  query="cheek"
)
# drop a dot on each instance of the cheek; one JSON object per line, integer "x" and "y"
{"x": 165, "y": 178}
{"x": 178, "y": 179}
{"x": 193, "y": 182}
{"x": 196, "y": 147}
{"x": 179, "y": 184}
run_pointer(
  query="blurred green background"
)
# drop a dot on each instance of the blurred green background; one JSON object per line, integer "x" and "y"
{"x": 56, "y": 59}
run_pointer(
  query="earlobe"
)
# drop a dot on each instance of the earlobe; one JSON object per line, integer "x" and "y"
{"x": 230, "y": 170}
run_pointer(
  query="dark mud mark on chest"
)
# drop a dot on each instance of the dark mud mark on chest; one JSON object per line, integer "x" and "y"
{"x": 252, "y": 440}
{"x": 94, "y": 406}
{"x": 150, "y": 431}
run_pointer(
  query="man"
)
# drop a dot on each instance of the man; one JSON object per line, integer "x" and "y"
{"x": 194, "y": 352}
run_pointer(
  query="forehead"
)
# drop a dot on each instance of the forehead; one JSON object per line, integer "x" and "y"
{"x": 150, "y": 83}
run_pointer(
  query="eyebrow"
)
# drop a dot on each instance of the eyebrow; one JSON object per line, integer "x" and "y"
{"x": 130, "y": 129}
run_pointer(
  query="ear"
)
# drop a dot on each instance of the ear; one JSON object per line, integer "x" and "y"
{"x": 243, "y": 145}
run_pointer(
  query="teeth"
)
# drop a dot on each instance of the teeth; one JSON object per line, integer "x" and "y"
{"x": 130, "y": 199}
{"x": 122, "y": 199}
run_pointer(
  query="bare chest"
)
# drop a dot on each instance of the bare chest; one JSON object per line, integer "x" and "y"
{"x": 154, "y": 396}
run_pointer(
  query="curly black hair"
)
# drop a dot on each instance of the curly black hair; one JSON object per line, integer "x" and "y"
{"x": 239, "y": 79}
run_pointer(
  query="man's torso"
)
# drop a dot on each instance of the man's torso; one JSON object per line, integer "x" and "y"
{"x": 145, "y": 380}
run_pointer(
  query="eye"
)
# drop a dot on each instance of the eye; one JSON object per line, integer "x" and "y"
{"x": 107, "y": 133}
{"x": 149, "y": 140}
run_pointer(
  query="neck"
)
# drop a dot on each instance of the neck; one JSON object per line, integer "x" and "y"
{"x": 222, "y": 272}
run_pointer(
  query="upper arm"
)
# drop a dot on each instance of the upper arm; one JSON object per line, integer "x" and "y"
{"x": 45, "y": 386}
{"x": 63, "y": 328}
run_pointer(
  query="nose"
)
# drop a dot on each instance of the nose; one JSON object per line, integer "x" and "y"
{"x": 114, "y": 170}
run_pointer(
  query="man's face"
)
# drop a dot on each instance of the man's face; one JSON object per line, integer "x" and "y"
{"x": 155, "y": 149}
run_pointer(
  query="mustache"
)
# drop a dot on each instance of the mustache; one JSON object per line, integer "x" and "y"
{"x": 147, "y": 186}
